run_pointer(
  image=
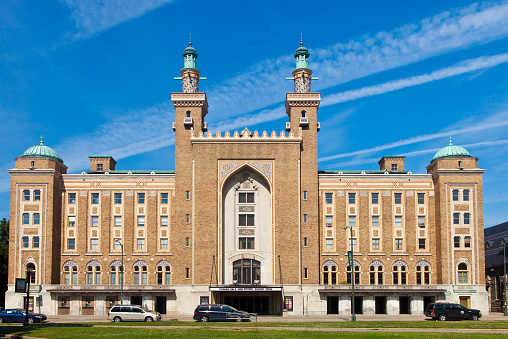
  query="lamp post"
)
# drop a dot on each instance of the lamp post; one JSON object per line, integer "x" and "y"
{"x": 503, "y": 242}
{"x": 351, "y": 264}
{"x": 28, "y": 278}
{"x": 119, "y": 242}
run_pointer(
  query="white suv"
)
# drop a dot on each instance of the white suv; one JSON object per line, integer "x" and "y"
{"x": 132, "y": 313}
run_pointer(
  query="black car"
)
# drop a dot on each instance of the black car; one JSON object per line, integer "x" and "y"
{"x": 206, "y": 313}
{"x": 445, "y": 311}
{"x": 18, "y": 316}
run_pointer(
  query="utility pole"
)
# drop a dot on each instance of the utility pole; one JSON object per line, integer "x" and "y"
{"x": 351, "y": 264}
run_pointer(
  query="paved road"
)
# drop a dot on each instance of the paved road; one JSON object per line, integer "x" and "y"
{"x": 291, "y": 318}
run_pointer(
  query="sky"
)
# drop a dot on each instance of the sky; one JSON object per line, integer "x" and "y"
{"x": 94, "y": 77}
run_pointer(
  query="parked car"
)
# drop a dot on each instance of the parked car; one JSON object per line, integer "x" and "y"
{"x": 206, "y": 313}
{"x": 16, "y": 315}
{"x": 445, "y": 311}
{"x": 132, "y": 313}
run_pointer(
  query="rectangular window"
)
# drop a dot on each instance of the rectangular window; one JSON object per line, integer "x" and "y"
{"x": 118, "y": 244}
{"x": 95, "y": 198}
{"x": 187, "y": 218}
{"x": 466, "y": 218}
{"x": 37, "y": 218}
{"x": 394, "y": 167}
{"x": 467, "y": 241}
{"x": 95, "y": 220}
{"x": 375, "y": 244}
{"x": 398, "y": 221}
{"x": 465, "y": 195}
{"x": 329, "y": 244}
{"x": 187, "y": 242}
{"x": 141, "y": 220}
{"x": 305, "y": 273}
{"x": 141, "y": 198}
{"x": 26, "y": 218}
{"x": 164, "y": 198}
{"x": 329, "y": 198}
{"x": 246, "y": 198}
{"x": 26, "y": 242}
{"x": 71, "y": 244}
{"x": 421, "y": 221}
{"x": 375, "y": 221}
{"x": 398, "y": 198}
{"x": 352, "y": 220}
{"x": 456, "y": 218}
{"x": 398, "y": 244}
{"x": 352, "y": 198}
{"x": 100, "y": 167}
{"x": 421, "y": 198}
{"x": 164, "y": 221}
{"x": 456, "y": 241}
{"x": 246, "y": 220}
{"x": 72, "y": 221}
{"x": 375, "y": 198}
{"x": 95, "y": 244}
{"x": 187, "y": 273}
{"x": 26, "y": 195}
{"x": 305, "y": 218}
{"x": 246, "y": 243}
{"x": 37, "y": 195}
{"x": 164, "y": 244}
{"x": 141, "y": 244}
{"x": 329, "y": 220}
{"x": 118, "y": 221}
{"x": 36, "y": 242}
{"x": 304, "y": 195}
{"x": 304, "y": 242}
{"x": 72, "y": 198}
{"x": 353, "y": 241}
{"x": 421, "y": 244}
{"x": 455, "y": 195}
{"x": 187, "y": 195}
{"x": 118, "y": 198}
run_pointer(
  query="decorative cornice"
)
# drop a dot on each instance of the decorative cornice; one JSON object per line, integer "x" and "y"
{"x": 303, "y": 99}
{"x": 31, "y": 172}
{"x": 245, "y": 137}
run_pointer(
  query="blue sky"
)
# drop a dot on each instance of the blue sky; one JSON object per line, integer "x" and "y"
{"x": 94, "y": 77}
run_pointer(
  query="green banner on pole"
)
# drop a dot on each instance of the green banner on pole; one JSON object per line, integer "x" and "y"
{"x": 350, "y": 258}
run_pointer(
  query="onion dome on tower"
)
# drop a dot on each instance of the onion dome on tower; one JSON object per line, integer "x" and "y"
{"x": 302, "y": 73}
{"x": 41, "y": 151}
{"x": 451, "y": 150}
{"x": 190, "y": 74}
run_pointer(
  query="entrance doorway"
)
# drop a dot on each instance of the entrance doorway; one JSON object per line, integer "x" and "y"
{"x": 259, "y": 305}
{"x": 464, "y": 301}
{"x": 380, "y": 305}
{"x": 358, "y": 305}
{"x": 404, "y": 305}
{"x": 160, "y": 305}
{"x": 332, "y": 305}
{"x": 137, "y": 300}
{"x": 427, "y": 301}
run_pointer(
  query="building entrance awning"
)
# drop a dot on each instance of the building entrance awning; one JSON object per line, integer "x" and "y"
{"x": 230, "y": 288}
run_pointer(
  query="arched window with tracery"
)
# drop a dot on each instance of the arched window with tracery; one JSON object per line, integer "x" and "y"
{"x": 330, "y": 273}
{"x": 93, "y": 273}
{"x": 399, "y": 273}
{"x": 30, "y": 267}
{"x": 462, "y": 273}
{"x": 163, "y": 273}
{"x": 246, "y": 272}
{"x": 357, "y": 269}
{"x": 140, "y": 273}
{"x": 116, "y": 270}
{"x": 422, "y": 272}
{"x": 70, "y": 273}
{"x": 376, "y": 269}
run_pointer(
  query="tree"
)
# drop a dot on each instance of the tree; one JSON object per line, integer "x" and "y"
{"x": 4, "y": 257}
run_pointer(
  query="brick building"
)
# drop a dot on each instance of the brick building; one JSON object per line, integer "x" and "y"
{"x": 247, "y": 219}
{"x": 496, "y": 251}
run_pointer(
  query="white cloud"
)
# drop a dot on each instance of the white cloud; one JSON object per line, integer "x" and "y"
{"x": 94, "y": 16}
{"x": 466, "y": 66}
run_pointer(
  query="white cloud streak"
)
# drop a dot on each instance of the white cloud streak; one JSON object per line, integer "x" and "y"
{"x": 461, "y": 68}
{"x": 95, "y": 16}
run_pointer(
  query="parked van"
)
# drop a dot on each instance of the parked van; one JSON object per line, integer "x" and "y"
{"x": 132, "y": 313}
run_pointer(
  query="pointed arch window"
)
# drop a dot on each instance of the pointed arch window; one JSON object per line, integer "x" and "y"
{"x": 376, "y": 272}
{"x": 357, "y": 269}
{"x": 330, "y": 273}
{"x": 422, "y": 272}
{"x": 93, "y": 273}
{"x": 140, "y": 273}
{"x": 163, "y": 273}
{"x": 399, "y": 273}
{"x": 246, "y": 272}
{"x": 70, "y": 273}
{"x": 116, "y": 271}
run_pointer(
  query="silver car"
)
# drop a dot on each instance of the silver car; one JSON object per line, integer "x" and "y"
{"x": 132, "y": 313}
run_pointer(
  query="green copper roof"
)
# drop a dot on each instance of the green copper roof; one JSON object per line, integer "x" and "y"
{"x": 42, "y": 151}
{"x": 451, "y": 150}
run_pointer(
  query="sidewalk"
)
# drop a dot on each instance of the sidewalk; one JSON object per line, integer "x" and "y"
{"x": 271, "y": 318}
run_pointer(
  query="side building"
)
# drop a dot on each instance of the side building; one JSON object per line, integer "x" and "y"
{"x": 247, "y": 219}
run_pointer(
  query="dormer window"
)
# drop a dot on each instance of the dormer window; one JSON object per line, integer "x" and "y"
{"x": 100, "y": 167}
{"x": 394, "y": 167}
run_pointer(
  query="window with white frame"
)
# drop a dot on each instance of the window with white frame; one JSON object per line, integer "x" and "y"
{"x": 422, "y": 273}
{"x": 164, "y": 243}
{"x": 163, "y": 273}
{"x": 398, "y": 221}
{"x": 330, "y": 273}
{"x": 95, "y": 220}
{"x": 118, "y": 221}
{"x": 462, "y": 273}
{"x": 164, "y": 221}
{"x": 329, "y": 221}
{"x": 399, "y": 273}
{"x": 140, "y": 273}
{"x": 70, "y": 273}
{"x": 93, "y": 273}
{"x": 352, "y": 220}
{"x": 376, "y": 272}
{"x": 375, "y": 221}
{"x": 357, "y": 270}
{"x": 141, "y": 220}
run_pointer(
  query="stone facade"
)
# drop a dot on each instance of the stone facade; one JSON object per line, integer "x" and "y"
{"x": 247, "y": 219}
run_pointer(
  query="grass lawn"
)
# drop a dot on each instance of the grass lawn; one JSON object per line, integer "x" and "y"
{"x": 85, "y": 331}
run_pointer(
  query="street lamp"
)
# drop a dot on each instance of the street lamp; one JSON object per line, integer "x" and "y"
{"x": 504, "y": 242}
{"x": 351, "y": 264}
{"x": 29, "y": 271}
{"x": 119, "y": 242}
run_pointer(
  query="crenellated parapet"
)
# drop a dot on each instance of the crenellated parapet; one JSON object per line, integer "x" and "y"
{"x": 246, "y": 136}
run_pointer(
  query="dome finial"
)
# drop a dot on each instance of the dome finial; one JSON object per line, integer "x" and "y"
{"x": 301, "y": 39}
{"x": 450, "y": 144}
{"x": 42, "y": 141}
{"x": 190, "y": 39}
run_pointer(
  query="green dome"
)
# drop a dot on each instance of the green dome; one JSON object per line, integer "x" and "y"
{"x": 42, "y": 151}
{"x": 451, "y": 150}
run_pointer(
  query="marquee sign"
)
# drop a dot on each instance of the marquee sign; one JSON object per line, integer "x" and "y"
{"x": 246, "y": 289}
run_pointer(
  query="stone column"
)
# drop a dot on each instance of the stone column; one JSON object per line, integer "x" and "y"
{"x": 392, "y": 305}
{"x": 369, "y": 305}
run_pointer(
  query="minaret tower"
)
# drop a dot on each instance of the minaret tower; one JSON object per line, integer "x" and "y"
{"x": 302, "y": 107}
